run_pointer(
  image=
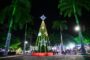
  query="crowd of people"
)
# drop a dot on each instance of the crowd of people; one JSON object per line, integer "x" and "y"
{"x": 74, "y": 51}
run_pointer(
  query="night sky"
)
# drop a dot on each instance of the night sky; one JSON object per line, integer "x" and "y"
{"x": 50, "y": 10}
{"x": 46, "y": 7}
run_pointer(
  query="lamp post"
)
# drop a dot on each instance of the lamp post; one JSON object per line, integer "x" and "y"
{"x": 25, "y": 43}
{"x": 78, "y": 29}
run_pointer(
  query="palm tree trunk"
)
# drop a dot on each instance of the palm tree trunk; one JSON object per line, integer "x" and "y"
{"x": 7, "y": 44}
{"x": 83, "y": 51}
{"x": 24, "y": 49}
{"x": 61, "y": 39}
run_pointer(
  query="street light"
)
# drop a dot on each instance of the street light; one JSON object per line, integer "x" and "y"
{"x": 77, "y": 28}
{"x": 25, "y": 42}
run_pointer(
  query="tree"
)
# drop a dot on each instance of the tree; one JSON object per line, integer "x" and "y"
{"x": 17, "y": 14}
{"x": 60, "y": 25}
{"x": 42, "y": 39}
{"x": 86, "y": 38}
{"x": 2, "y": 39}
{"x": 15, "y": 41}
{"x": 73, "y": 8}
{"x": 26, "y": 33}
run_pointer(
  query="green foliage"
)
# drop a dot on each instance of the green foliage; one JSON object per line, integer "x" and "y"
{"x": 77, "y": 40}
{"x": 57, "y": 24}
{"x": 86, "y": 39}
{"x": 43, "y": 48}
{"x": 73, "y": 8}
{"x": 21, "y": 14}
{"x": 66, "y": 7}
{"x": 15, "y": 43}
{"x": 54, "y": 38}
{"x": 2, "y": 40}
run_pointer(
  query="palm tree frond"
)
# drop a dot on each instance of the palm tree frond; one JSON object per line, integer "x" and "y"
{"x": 57, "y": 24}
{"x": 66, "y": 5}
{"x": 70, "y": 13}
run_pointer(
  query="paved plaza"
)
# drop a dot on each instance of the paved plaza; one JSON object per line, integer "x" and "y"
{"x": 61, "y": 57}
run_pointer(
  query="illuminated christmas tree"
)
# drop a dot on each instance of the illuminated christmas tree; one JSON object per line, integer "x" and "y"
{"x": 42, "y": 40}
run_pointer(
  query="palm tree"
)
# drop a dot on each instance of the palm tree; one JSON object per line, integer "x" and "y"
{"x": 73, "y": 8}
{"x": 60, "y": 25}
{"x": 27, "y": 31}
{"x": 18, "y": 15}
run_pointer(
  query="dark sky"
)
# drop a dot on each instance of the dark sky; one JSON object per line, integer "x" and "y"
{"x": 50, "y": 10}
{"x": 46, "y": 7}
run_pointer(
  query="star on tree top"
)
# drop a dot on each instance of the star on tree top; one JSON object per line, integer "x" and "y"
{"x": 43, "y": 17}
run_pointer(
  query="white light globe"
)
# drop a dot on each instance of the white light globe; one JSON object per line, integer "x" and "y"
{"x": 77, "y": 28}
{"x": 25, "y": 42}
